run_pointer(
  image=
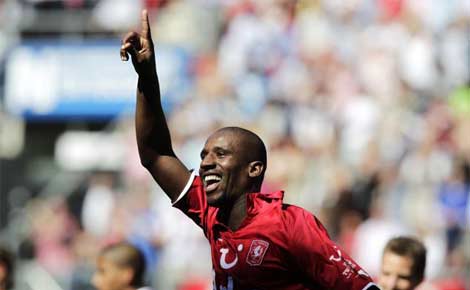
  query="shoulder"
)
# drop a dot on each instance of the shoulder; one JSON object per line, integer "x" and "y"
{"x": 294, "y": 209}
{"x": 300, "y": 223}
{"x": 298, "y": 215}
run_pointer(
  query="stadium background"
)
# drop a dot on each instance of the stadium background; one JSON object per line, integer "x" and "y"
{"x": 364, "y": 105}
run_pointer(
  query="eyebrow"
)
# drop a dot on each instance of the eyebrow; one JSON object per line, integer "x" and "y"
{"x": 216, "y": 148}
{"x": 221, "y": 148}
{"x": 407, "y": 277}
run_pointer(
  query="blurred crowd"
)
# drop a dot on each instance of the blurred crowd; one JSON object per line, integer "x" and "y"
{"x": 364, "y": 107}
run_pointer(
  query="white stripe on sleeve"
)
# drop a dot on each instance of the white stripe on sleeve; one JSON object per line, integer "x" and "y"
{"x": 186, "y": 187}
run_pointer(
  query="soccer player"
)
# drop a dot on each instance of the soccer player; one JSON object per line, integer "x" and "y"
{"x": 257, "y": 241}
{"x": 403, "y": 263}
{"x": 120, "y": 267}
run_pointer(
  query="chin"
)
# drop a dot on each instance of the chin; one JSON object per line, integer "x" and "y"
{"x": 215, "y": 199}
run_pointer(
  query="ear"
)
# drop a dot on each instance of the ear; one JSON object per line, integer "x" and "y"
{"x": 255, "y": 169}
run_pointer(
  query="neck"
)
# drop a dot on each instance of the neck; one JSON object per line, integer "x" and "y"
{"x": 237, "y": 213}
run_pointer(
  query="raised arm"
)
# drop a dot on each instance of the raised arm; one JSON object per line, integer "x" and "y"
{"x": 153, "y": 137}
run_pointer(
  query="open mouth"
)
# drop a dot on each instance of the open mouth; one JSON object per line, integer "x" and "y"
{"x": 211, "y": 182}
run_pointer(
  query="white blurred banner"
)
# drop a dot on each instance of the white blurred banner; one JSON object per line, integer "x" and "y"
{"x": 84, "y": 79}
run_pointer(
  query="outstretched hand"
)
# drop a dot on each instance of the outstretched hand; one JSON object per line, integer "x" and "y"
{"x": 141, "y": 49}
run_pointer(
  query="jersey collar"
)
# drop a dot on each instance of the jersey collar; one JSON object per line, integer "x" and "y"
{"x": 258, "y": 202}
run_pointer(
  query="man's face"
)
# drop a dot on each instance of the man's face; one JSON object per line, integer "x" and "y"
{"x": 397, "y": 273}
{"x": 108, "y": 276}
{"x": 222, "y": 169}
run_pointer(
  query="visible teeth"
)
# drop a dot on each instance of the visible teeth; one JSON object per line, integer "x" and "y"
{"x": 212, "y": 177}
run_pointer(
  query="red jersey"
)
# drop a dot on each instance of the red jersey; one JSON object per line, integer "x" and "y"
{"x": 277, "y": 247}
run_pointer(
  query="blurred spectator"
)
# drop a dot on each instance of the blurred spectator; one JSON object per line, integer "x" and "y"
{"x": 374, "y": 232}
{"x": 453, "y": 199}
{"x": 98, "y": 205}
{"x": 116, "y": 15}
{"x": 120, "y": 267}
{"x": 52, "y": 233}
{"x": 403, "y": 264}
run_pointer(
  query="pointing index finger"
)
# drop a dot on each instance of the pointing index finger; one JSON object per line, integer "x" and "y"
{"x": 145, "y": 24}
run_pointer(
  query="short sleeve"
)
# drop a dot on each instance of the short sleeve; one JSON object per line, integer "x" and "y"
{"x": 192, "y": 201}
{"x": 321, "y": 261}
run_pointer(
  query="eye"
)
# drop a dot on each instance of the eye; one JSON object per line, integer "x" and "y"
{"x": 221, "y": 153}
{"x": 203, "y": 154}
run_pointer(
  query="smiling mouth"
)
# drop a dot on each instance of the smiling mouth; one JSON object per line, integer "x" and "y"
{"x": 211, "y": 182}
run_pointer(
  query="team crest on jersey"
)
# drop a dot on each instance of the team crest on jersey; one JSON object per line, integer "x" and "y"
{"x": 256, "y": 253}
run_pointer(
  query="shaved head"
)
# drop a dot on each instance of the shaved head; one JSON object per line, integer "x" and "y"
{"x": 125, "y": 255}
{"x": 251, "y": 145}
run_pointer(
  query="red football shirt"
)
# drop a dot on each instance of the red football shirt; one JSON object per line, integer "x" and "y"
{"x": 277, "y": 247}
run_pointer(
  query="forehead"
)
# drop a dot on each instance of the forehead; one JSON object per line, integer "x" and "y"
{"x": 223, "y": 139}
{"x": 398, "y": 264}
{"x": 105, "y": 263}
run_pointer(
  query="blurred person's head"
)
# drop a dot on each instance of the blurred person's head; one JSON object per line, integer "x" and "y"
{"x": 119, "y": 267}
{"x": 403, "y": 264}
{"x": 6, "y": 269}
